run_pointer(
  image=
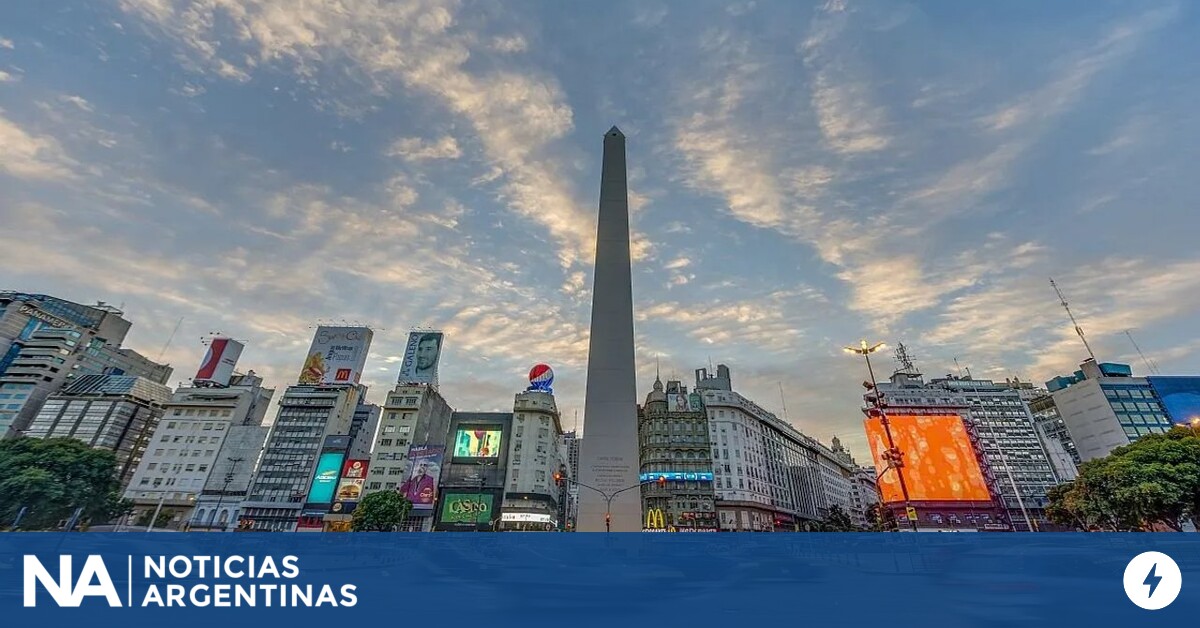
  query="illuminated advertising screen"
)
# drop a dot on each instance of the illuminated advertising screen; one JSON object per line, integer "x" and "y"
{"x": 477, "y": 442}
{"x": 425, "y": 468}
{"x": 325, "y": 480}
{"x": 350, "y": 488}
{"x": 1180, "y": 396}
{"x": 421, "y": 357}
{"x": 940, "y": 464}
{"x": 467, "y": 508}
{"x": 337, "y": 356}
{"x": 677, "y": 476}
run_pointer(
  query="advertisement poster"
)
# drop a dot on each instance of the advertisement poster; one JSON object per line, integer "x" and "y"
{"x": 467, "y": 508}
{"x": 350, "y": 488}
{"x": 326, "y": 478}
{"x": 1180, "y": 396}
{"x": 421, "y": 357}
{"x": 940, "y": 463}
{"x": 337, "y": 355}
{"x": 477, "y": 442}
{"x": 421, "y": 486}
{"x": 219, "y": 361}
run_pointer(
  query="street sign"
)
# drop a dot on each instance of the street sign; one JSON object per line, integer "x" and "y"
{"x": 912, "y": 513}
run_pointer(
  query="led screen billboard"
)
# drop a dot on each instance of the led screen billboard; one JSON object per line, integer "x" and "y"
{"x": 326, "y": 478}
{"x": 219, "y": 362}
{"x": 350, "y": 488}
{"x": 477, "y": 442}
{"x": 425, "y": 468}
{"x": 940, "y": 464}
{"x": 1180, "y": 396}
{"x": 467, "y": 508}
{"x": 421, "y": 357}
{"x": 337, "y": 356}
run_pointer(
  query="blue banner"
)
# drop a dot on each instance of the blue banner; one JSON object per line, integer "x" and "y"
{"x": 614, "y": 580}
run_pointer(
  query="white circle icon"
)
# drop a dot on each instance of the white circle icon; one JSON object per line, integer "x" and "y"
{"x": 1152, "y": 580}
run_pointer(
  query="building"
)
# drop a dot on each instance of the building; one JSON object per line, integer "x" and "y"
{"x": 1056, "y": 439}
{"x": 202, "y": 455}
{"x": 363, "y": 426}
{"x": 572, "y": 442}
{"x": 864, "y": 497}
{"x": 674, "y": 445}
{"x": 1001, "y": 421}
{"x": 414, "y": 415}
{"x": 532, "y": 499}
{"x": 767, "y": 475}
{"x": 47, "y": 342}
{"x": 474, "y": 471}
{"x": 609, "y": 456}
{"x": 1104, "y": 407}
{"x": 114, "y": 412}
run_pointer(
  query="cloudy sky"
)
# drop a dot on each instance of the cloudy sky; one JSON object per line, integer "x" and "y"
{"x": 802, "y": 175}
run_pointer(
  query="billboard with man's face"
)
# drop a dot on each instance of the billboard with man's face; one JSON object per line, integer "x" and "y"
{"x": 421, "y": 357}
{"x": 421, "y": 486}
{"x": 337, "y": 356}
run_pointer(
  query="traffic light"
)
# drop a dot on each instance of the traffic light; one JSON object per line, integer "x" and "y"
{"x": 558, "y": 478}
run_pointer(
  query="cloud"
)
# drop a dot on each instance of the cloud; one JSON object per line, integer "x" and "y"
{"x": 677, "y": 263}
{"x": 79, "y": 102}
{"x": 27, "y": 156}
{"x": 417, "y": 149}
{"x": 514, "y": 43}
{"x": 648, "y": 14}
{"x": 6, "y": 43}
{"x": 5, "y": 77}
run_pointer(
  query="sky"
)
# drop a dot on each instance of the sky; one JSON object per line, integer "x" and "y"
{"x": 802, "y": 175}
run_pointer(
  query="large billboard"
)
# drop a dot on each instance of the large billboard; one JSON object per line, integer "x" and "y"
{"x": 219, "y": 362}
{"x": 1180, "y": 396}
{"x": 325, "y": 480}
{"x": 477, "y": 441}
{"x": 425, "y": 469}
{"x": 680, "y": 402}
{"x": 350, "y": 488}
{"x": 467, "y": 510}
{"x": 337, "y": 355}
{"x": 421, "y": 357}
{"x": 940, "y": 464}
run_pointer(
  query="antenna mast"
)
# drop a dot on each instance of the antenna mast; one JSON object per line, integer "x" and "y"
{"x": 170, "y": 339}
{"x": 1149, "y": 366}
{"x": 905, "y": 359}
{"x": 783, "y": 402}
{"x": 1078, "y": 329}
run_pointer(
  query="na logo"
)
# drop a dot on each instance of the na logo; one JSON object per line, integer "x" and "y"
{"x": 93, "y": 581}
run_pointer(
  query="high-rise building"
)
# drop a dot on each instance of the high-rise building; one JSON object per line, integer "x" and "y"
{"x": 201, "y": 457}
{"x": 572, "y": 442}
{"x": 116, "y": 412}
{"x": 1004, "y": 426}
{"x": 414, "y": 415}
{"x": 363, "y": 426}
{"x": 1104, "y": 407}
{"x": 532, "y": 500}
{"x": 609, "y": 455}
{"x": 47, "y": 342}
{"x": 864, "y": 495}
{"x": 675, "y": 446}
{"x": 471, "y": 488}
{"x": 1056, "y": 439}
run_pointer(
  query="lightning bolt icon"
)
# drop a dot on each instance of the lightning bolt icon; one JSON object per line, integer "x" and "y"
{"x": 1152, "y": 580}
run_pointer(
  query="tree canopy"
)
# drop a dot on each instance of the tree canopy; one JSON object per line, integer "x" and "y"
{"x": 383, "y": 511}
{"x": 53, "y": 477}
{"x": 1154, "y": 481}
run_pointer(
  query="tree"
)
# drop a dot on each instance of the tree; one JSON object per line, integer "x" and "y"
{"x": 838, "y": 520}
{"x": 881, "y": 518}
{"x": 383, "y": 511}
{"x": 52, "y": 477}
{"x": 1154, "y": 481}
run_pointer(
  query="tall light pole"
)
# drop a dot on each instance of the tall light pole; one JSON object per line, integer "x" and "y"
{"x": 893, "y": 456}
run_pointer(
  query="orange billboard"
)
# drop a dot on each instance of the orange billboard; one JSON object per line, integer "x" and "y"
{"x": 939, "y": 462}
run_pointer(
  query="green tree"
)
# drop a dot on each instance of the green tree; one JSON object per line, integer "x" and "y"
{"x": 52, "y": 477}
{"x": 838, "y": 520}
{"x": 383, "y": 511}
{"x": 1152, "y": 481}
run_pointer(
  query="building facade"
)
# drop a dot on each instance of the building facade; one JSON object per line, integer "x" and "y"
{"x": 47, "y": 342}
{"x": 1056, "y": 438}
{"x": 412, "y": 415}
{"x": 675, "y": 445}
{"x": 532, "y": 499}
{"x": 472, "y": 483}
{"x": 1104, "y": 407}
{"x": 571, "y": 442}
{"x": 115, "y": 412}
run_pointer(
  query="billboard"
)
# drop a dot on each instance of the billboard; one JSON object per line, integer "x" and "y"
{"x": 218, "y": 363}
{"x": 350, "y": 488}
{"x": 337, "y": 355}
{"x": 1180, "y": 396}
{"x": 326, "y": 478}
{"x": 940, "y": 464}
{"x": 477, "y": 442}
{"x": 682, "y": 402}
{"x": 424, "y": 472}
{"x": 467, "y": 510}
{"x": 421, "y": 357}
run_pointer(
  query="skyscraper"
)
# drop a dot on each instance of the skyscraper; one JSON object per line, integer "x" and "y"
{"x": 609, "y": 454}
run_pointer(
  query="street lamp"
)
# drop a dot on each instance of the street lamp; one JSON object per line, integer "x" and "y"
{"x": 561, "y": 476}
{"x": 1195, "y": 422}
{"x": 893, "y": 456}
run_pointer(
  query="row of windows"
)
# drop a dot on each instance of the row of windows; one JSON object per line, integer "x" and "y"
{"x": 206, "y": 426}
{"x": 200, "y": 412}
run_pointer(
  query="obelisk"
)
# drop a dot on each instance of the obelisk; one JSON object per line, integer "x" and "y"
{"x": 608, "y": 456}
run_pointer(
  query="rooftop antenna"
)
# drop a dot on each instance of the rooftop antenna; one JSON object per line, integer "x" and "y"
{"x": 783, "y": 402}
{"x": 1078, "y": 329}
{"x": 575, "y": 425}
{"x": 957, "y": 366}
{"x": 905, "y": 359}
{"x": 169, "y": 339}
{"x": 1150, "y": 366}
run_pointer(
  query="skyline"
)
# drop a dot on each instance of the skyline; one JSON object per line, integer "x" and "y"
{"x": 800, "y": 177}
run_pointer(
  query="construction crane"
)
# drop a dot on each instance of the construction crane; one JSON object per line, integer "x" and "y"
{"x": 1078, "y": 329}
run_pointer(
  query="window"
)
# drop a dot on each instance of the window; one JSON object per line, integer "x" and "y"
{"x": 202, "y": 468}
{"x": 375, "y": 486}
{"x": 385, "y": 442}
{"x": 208, "y": 427}
{"x": 190, "y": 467}
{"x": 164, "y": 438}
{"x": 220, "y": 427}
{"x": 171, "y": 425}
{"x": 388, "y": 429}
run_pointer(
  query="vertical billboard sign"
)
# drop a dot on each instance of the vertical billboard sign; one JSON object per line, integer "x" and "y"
{"x": 326, "y": 478}
{"x": 350, "y": 488}
{"x": 421, "y": 357}
{"x": 337, "y": 356}
{"x": 219, "y": 362}
{"x": 420, "y": 487}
